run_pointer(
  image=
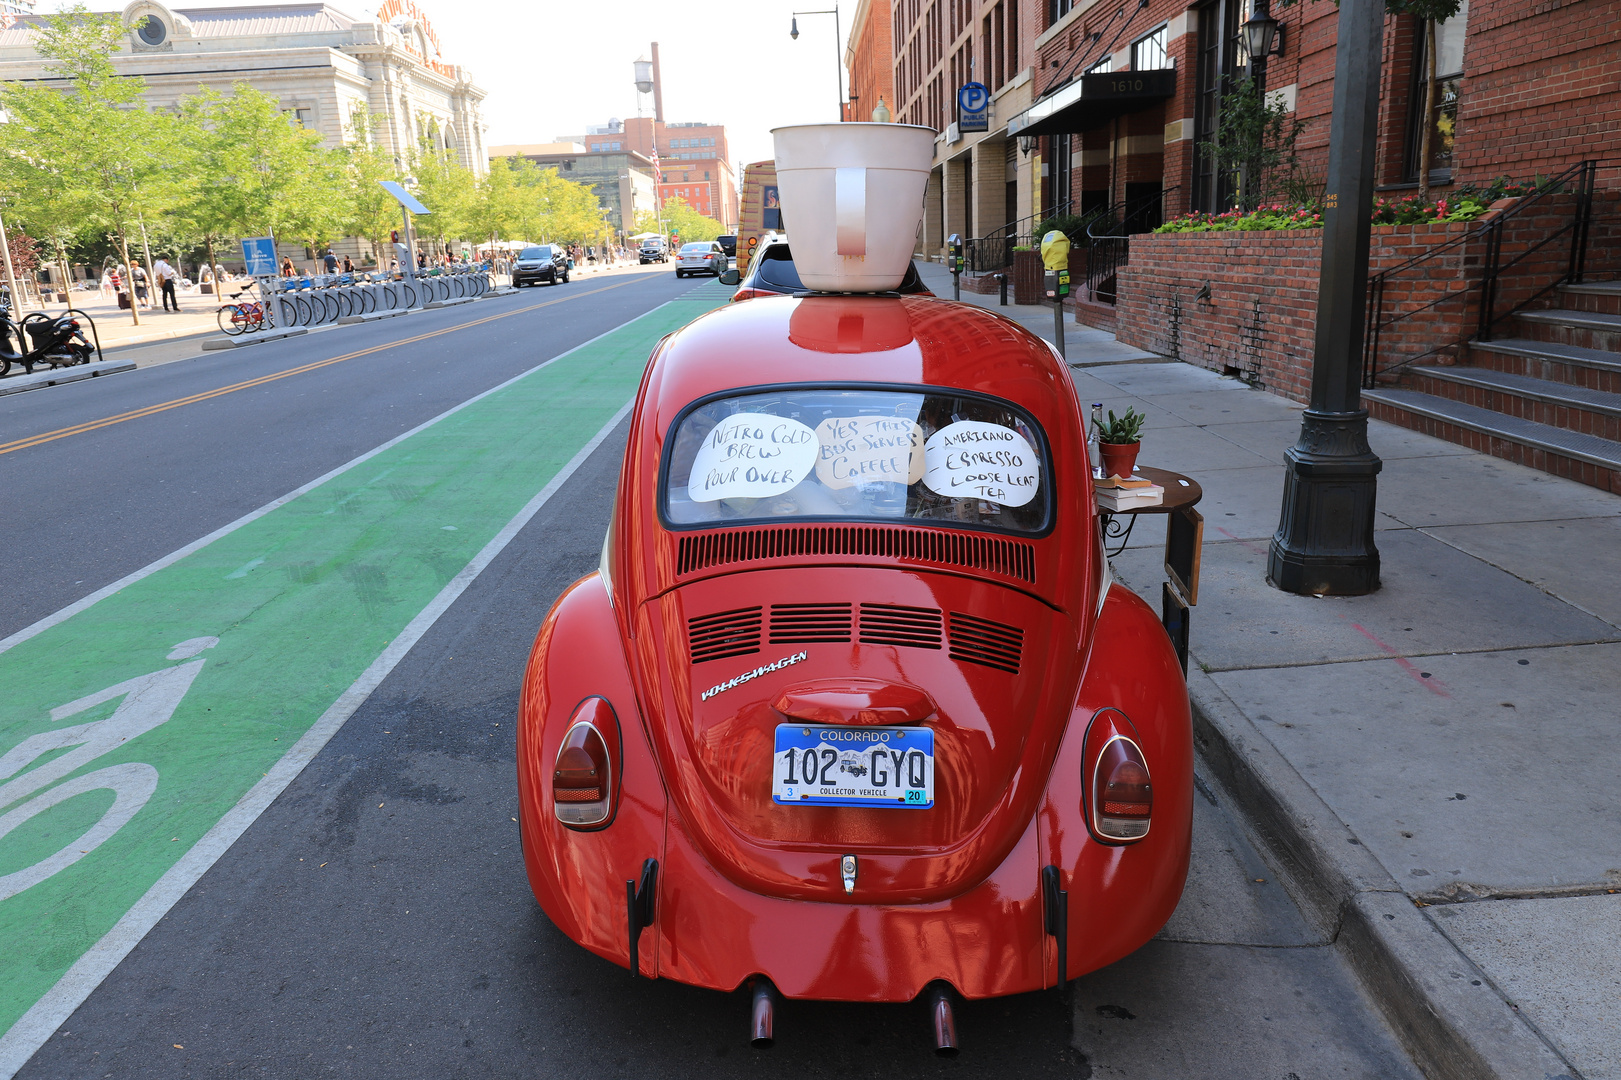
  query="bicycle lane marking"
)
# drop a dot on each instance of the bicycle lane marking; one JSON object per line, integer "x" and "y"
{"x": 136, "y": 414}
{"x": 271, "y": 662}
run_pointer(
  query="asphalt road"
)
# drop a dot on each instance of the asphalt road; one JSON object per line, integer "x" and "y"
{"x": 375, "y": 920}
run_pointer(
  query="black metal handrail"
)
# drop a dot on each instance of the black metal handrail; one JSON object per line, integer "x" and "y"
{"x": 1107, "y": 250}
{"x": 1577, "y": 180}
{"x": 994, "y": 250}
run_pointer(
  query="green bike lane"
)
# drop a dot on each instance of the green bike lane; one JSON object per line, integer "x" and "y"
{"x": 141, "y": 734}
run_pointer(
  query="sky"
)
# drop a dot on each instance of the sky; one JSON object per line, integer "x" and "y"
{"x": 551, "y": 67}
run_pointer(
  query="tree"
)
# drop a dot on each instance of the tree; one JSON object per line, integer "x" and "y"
{"x": 255, "y": 172}
{"x": 446, "y": 187}
{"x": 91, "y": 153}
{"x": 1255, "y": 139}
{"x": 370, "y": 211}
{"x": 681, "y": 220}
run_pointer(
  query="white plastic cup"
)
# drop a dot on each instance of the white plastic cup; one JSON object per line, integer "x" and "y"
{"x": 852, "y": 201}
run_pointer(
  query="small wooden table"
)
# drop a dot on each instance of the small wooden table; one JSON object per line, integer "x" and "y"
{"x": 1180, "y": 491}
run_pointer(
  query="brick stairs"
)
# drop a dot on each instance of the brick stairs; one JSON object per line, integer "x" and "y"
{"x": 1549, "y": 398}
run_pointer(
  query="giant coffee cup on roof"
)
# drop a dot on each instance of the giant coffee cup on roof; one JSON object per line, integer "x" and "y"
{"x": 852, "y": 201}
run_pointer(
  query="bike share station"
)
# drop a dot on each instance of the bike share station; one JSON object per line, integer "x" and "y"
{"x": 290, "y": 306}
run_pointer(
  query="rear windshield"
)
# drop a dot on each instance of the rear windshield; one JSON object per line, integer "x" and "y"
{"x": 544, "y": 251}
{"x": 695, "y": 249}
{"x": 775, "y": 267}
{"x": 857, "y": 454}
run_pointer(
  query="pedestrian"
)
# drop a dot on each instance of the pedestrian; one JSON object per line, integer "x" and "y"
{"x": 116, "y": 281}
{"x": 348, "y": 265}
{"x": 287, "y": 267}
{"x": 167, "y": 276}
{"x": 138, "y": 276}
{"x": 330, "y": 261}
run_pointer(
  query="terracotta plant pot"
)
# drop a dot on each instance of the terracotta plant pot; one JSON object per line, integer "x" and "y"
{"x": 1119, "y": 458}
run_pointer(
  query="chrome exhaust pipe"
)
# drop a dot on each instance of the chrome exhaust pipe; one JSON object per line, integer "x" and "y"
{"x": 943, "y": 1019}
{"x": 762, "y": 1013}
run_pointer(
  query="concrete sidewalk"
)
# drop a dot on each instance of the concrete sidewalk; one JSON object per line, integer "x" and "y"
{"x": 1437, "y": 764}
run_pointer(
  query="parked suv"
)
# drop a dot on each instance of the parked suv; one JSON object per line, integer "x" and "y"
{"x": 540, "y": 262}
{"x": 652, "y": 250}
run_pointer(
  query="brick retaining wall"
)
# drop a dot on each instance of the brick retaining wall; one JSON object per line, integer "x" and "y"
{"x": 1259, "y": 321}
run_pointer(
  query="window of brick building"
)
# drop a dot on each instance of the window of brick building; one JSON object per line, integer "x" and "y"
{"x": 1057, "y": 9}
{"x": 1102, "y": 67}
{"x": 1443, "y": 118}
{"x": 1222, "y": 59}
{"x": 1149, "y": 53}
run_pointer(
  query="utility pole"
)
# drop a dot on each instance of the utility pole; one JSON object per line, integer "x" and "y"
{"x": 1324, "y": 543}
{"x": 11, "y": 275}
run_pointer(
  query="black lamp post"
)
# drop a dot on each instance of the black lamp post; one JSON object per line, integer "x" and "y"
{"x": 1259, "y": 33}
{"x": 1324, "y": 543}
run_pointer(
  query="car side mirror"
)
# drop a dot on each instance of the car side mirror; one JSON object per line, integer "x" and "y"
{"x": 730, "y": 277}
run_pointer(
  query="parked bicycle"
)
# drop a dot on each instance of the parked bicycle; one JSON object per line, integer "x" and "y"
{"x": 245, "y": 316}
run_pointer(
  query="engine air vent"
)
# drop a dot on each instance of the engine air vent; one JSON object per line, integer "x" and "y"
{"x": 896, "y": 624}
{"x": 950, "y": 547}
{"x": 791, "y": 623}
{"x": 726, "y": 633}
{"x": 982, "y": 641}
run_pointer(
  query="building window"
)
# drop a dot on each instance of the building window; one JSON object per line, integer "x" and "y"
{"x": 152, "y": 31}
{"x": 1059, "y": 175}
{"x": 1102, "y": 67}
{"x": 1148, "y": 53}
{"x": 297, "y": 117}
{"x": 1222, "y": 59}
{"x": 1443, "y": 118}
{"x": 1057, "y": 9}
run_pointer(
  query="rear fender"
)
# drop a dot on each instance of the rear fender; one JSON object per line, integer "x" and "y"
{"x": 1120, "y": 895}
{"x": 579, "y": 875}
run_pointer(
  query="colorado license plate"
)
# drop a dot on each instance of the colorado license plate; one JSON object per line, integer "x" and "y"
{"x": 853, "y": 766}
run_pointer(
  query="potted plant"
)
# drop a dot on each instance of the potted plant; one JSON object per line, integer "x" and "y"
{"x": 1118, "y": 442}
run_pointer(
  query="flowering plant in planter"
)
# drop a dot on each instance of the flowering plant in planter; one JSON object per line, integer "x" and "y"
{"x": 1261, "y": 219}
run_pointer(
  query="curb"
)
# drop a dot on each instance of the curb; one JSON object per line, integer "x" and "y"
{"x": 431, "y": 304}
{"x": 57, "y": 376}
{"x": 244, "y": 340}
{"x": 373, "y": 316}
{"x": 1444, "y": 1010}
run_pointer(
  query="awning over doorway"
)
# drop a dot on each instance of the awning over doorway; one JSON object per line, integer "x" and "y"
{"x": 1092, "y": 101}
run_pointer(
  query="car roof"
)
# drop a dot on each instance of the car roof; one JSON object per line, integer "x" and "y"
{"x": 907, "y": 340}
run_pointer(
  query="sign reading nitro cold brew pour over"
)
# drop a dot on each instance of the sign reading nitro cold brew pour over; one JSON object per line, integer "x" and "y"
{"x": 971, "y": 459}
{"x": 751, "y": 456}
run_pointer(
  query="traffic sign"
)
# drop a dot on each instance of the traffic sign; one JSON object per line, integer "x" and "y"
{"x": 259, "y": 252}
{"x": 973, "y": 107}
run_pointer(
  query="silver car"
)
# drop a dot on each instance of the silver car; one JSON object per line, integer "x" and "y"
{"x": 701, "y": 257}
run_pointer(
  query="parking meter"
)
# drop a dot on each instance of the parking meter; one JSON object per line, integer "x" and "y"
{"x": 954, "y": 252}
{"x": 1055, "y": 256}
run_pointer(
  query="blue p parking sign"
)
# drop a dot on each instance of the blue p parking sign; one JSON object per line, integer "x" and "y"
{"x": 973, "y": 107}
{"x": 259, "y": 252}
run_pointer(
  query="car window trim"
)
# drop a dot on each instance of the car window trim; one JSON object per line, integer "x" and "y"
{"x": 1050, "y": 509}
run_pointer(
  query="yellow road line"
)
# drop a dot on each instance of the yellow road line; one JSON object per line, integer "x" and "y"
{"x": 136, "y": 414}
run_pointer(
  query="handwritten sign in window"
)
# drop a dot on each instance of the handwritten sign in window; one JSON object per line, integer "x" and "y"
{"x": 863, "y": 449}
{"x": 971, "y": 459}
{"x": 751, "y": 456}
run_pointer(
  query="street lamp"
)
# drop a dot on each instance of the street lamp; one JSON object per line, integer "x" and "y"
{"x": 1260, "y": 32}
{"x": 1324, "y": 544}
{"x": 838, "y": 56}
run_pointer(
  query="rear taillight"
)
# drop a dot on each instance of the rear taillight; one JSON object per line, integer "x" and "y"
{"x": 1119, "y": 793}
{"x": 750, "y": 294}
{"x": 585, "y": 777}
{"x": 1123, "y": 799}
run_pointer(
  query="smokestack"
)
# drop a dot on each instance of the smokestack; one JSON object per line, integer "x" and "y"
{"x": 658, "y": 88}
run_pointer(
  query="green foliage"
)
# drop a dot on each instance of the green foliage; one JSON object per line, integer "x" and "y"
{"x": 682, "y": 220}
{"x": 1071, "y": 225}
{"x": 1123, "y": 429}
{"x": 1261, "y": 219}
{"x": 24, "y": 252}
{"x": 1255, "y": 139}
{"x": 1466, "y": 202}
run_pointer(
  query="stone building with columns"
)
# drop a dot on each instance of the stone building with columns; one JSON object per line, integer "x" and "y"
{"x": 325, "y": 66}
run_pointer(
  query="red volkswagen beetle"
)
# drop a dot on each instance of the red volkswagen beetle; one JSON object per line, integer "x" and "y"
{"x": 852, "y": 710}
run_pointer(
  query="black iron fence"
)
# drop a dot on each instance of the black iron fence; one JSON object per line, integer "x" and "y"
{"x": 1109, "y": 240}
{"x": 1423, "y": 302}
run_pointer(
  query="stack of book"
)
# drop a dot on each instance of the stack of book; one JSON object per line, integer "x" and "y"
{"x": 1115, "y": 494}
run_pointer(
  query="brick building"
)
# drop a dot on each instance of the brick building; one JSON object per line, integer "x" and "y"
{"x": 690, "y": 156}
{"x": 1096, "y": 103}
{"x": 869, "y": 56}
{"x": 622, "y": 180}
